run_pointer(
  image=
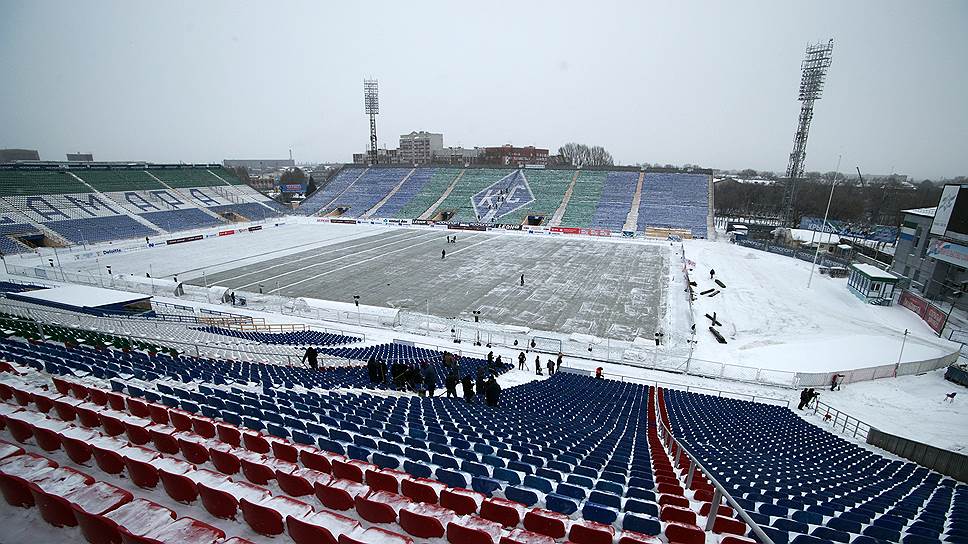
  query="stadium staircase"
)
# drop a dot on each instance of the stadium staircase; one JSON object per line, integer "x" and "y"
{"x": 584, "y": 199}
{"x": 632, "y": 219}
{"x": 432, "y": 210}
{"x": 560, "y": 212}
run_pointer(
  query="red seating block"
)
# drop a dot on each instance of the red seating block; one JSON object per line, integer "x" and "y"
{"x": 589, "y": 532}
{"x": 42, "y": 402}
{"x": 116, "y": 401}
{"x": 181, "y": 530}
{"x": 320, "y": 527}
{"x": 671, "y": 489}
{"x": 49, "y": 492}
{"x": 684, "y": 533}
{"x": 96, "y": 396}
{"x": 674, "y": 513}
{"x": 65, "y": 410}
{"x": 546, "y": 522}
{"x": 136, "y": 433}
{"x": 257, "y": 471}
{"x": 178, "y": 486}
{"x": 425, "y": 520}
{"x": 89, "y": 503}
{"x": 422, "y": 489}
{"x": 349, "y": 470}
{"x": 137, "y": 461}
{"x": 726, "y": 524}
{"x": 704, "y": 495}
{"x": 19, "y": 429}
{"x": 62, "y": 386}
{"x": 461, "y": 501}
{"x": 107, "y": 457}
{"x": 507, "y": 513}
{"x": 47, "y": 439}
{"x": 473, "y": 530}
{"x": 159, "y": 414}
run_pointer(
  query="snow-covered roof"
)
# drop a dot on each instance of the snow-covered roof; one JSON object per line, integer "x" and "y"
{"x": 873, "y": 272}
{"x": 925, "y": 212}
{"x": 83, "y": 296}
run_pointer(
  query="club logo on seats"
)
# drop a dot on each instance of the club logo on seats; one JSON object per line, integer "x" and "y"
{"x": 507, "y": 195}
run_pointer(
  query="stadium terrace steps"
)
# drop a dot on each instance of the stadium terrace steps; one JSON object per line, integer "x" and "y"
{"x": 615, "y": 201}
{"x": 109, "y": 181}
{"x": 432, "y": 210}
{"x": 373, "y": 209}
{"x": 27, "y": 183}
{"x": 632, "y": 218}
{"x": 584, "y": 199}
{"x": 548, "y": 188}
{"x": 331, "y": 190}
{"x": 679, "y": 201}
{"x": 410, "y": 195}
{"x": 367, "y": 190}
{"x": 560, "y": 212}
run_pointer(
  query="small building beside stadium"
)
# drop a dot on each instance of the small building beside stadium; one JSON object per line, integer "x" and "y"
{"x": 871, "y": 284}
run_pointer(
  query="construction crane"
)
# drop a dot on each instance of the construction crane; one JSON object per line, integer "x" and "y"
{"x": 862, "y": 182}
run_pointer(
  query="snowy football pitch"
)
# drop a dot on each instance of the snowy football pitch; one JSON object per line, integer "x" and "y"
{"x": 572, "y": 285}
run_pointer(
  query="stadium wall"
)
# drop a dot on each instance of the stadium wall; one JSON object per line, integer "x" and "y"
{"x": 946, "y": 462}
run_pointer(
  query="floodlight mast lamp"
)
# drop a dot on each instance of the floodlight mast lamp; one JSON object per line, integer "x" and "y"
{"x": 371, "y": 103}
{"x": 816, "y": 61}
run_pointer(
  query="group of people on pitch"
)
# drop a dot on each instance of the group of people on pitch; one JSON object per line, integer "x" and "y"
{"x": 553, "y": 365}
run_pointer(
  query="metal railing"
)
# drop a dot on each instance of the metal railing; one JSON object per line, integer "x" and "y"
{"x": 842, "y": 421}
{"x": 677, "y": 450}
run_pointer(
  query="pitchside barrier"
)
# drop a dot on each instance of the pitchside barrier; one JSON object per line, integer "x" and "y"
{"x": 946, "y": 462}
{"x": 617, "y": 352}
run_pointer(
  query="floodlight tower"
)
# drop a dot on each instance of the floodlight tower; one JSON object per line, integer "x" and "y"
{"x": 814, "y": 67}
{"x": 371, "y": 103}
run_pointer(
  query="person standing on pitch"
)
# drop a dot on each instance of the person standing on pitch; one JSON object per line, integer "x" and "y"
{"x": 537, "y": 366}
{"x": 443, "y": 254}
{"x": 558, "y": 365}
{"x": 521, "y": 360}
{"x": 522, "y": 279}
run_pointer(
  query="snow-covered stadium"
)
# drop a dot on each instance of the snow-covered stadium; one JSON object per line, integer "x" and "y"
{"x": 154, "y": 385}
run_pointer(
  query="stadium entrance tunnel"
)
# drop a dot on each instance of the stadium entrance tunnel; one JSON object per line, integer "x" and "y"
{"x": 233, "y": 217}
{"x": 38, "y": 239}
{"x": 444, "y": 215}
{"x": 336, "y": 212}
{"x": 534, "y": 220}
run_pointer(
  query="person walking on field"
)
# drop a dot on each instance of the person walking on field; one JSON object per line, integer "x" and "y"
{"x": 521, "y": 360}
{"x": 443, "y": 254}
{"x": 712, "y": 274}
{"x": 537, "y": 365}
{"x": 311, "y": 356}
{"x": 522, "y": 280}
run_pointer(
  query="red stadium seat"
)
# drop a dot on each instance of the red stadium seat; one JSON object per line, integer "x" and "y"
{"x": 136, "y": 434}
{"x": 224, "y": 459}
{"x": 164, "y": 442}
{"x": 228, "y": 434}
{"x": 49, "y": 494}
{"x": 179, "y": 487}
{"x": 284, "y": 450}
{"x": 180, "y": 420}
{"x": 221, "y": 498}
{"x": 315, "y": 460}
{"x": 139, "y": 516}
{"x": 726, "y": 524}
{"x": 43, "y": 402}
{"x": 507, "y": 513}
{"x": 63, "y": 387}
{"x": 674, "y": 513}
{"x": 384, "y": 479}
{"x": 422, "y": 490}
{"x": 137, "y": 461}
{"x": 65, "y": 410}
{"x": 20, "y": 430}
{"x": 106, "y": 455}
{"x": 684, "y": 533}
{"x": 116, "y": 401}
{"x": 319, "y": 527}
{"x": 631, "y": 537}
{"x": 300, "y": 482}
{"x": 348, "y": 469}
{"x": 96, "y": 396}
{"x": 204, "y": 426}
{"x": 89, "y": 503}
{"x": 87, "y": 417}
{"x": 47, "y": 439}
{"x": 425, "y": 520}
{"x": 723, "y": 510}
{"x": 257, "y": 471}
{"x": 589, "y": 532}
{"x": 16, "y": 473}
{"x": 473, "y": 530}
{"x": 255, "y": 442}
{"x": 138, "y": 408}
{"x": 674, "y": 500}
{"x": 521, "y": 536}
{"x": 546, "y": 522}
{"x": 373, "y": 535}
{"x": 339, "y": 494}
{"x": 461, "y": 501}
{"x": 181, "y": 530}
{"x": 159, "y": 414}
{"x": 380, "y": 506}
{"x": 268, "y": 516}
{"x": 194, "y": 451}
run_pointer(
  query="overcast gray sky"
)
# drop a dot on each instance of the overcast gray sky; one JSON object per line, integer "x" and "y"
{"x": 709, "y": 83}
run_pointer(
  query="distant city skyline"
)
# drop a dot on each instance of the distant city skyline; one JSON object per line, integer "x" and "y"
{"x": 706, "y": 83}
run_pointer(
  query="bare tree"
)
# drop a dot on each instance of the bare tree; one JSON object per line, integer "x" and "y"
{"x": 583, "y": 155}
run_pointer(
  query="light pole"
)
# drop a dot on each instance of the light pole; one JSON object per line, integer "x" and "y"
{"x": 901, "y": 353}
{"x": 359, "y": 317}
{"x": 823, "y": 225}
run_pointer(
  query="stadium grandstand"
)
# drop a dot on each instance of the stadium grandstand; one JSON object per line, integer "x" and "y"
{"x": 74, "y": 204}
